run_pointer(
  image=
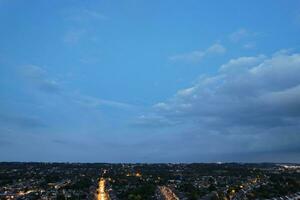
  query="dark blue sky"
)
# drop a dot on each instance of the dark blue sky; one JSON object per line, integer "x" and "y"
{"x": 150, "y": 81}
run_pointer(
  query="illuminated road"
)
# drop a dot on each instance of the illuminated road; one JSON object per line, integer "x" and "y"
{"x": 167, "y": 193}
{"x": 102, "y": 195}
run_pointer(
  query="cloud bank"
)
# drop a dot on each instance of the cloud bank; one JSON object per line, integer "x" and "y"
{"x": 255, "y": 100}
{"x": 198, "y": 55}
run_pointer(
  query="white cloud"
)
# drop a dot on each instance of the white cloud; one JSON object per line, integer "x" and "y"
{"x": 160, "y": 105}
{"x": 84, "y": 20}
{"x": 244, "y": 37}
{"x": 40, "y": 79}
{"x": 242, "y": 62}
{"x": 216, "y": 48}
{"x": 249, "y": 45}
{"x": 95, "y": 14}
{"x": 85, "y": 15}
{"x": 228, "y": 92}
{"x": 239, "y": 35}
{"x": 196, "y": 56}
{"x": 188, "y": 57}
{"x": 256, "y": 95}
{"x": 94, "y": 102}
{"x": 74, "y": 36}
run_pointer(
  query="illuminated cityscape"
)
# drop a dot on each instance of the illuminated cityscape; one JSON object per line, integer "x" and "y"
{"x": 150, "y": 100}
{"x": 228, "y": 181}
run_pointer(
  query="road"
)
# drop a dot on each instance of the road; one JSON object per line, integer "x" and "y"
{"x": 102, "y": 195}
{"x": 167, "y": 193}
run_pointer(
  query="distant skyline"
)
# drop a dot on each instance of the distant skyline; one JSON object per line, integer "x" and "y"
{"x": 150, "y": 81}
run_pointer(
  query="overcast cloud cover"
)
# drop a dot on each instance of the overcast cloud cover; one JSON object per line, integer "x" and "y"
{"x": 140, "y": 81}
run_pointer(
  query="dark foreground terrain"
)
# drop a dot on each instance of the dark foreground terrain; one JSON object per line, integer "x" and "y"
{"x": 149, "y": 181}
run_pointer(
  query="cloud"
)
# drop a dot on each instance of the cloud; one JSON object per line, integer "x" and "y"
{"x": 245, "y": 37}
{"x": 90, "y": 101}
{"x": 74, "y": 36}
{"x": 152, "y": 121}
{"x": 256, "y": 77}
{"x": 94, "y": 14}
{"x": 238, "y": 35}
{"x": 22, "y": 121}
{"x": 241, "y": 63}
{"x": 84, "y": 20}
{"x": 249, "y": 45}
{"x": 257, "y": 97}
{"x": 196, "y": 56}
{"x": 85, "y": 15}
{"x": 216, "y": 48}
{"x": 39, "y": 78}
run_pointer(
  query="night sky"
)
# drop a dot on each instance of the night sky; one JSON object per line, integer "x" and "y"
{"x": 150, "y": 81}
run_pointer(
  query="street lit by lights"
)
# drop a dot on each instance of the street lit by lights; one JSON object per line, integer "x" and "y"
{"x": 102, "y": 195}
{"x": 167, "y": 193}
